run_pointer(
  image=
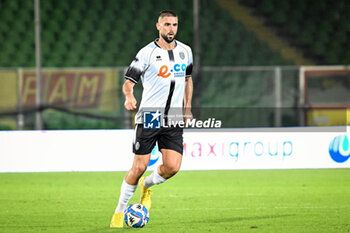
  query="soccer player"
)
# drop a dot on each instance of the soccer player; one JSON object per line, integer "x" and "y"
{"x": 164, "y": 67}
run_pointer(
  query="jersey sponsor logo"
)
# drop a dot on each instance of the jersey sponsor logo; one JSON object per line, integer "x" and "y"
{"x": 163, "y": 71}
{"x": 178, "y": 70}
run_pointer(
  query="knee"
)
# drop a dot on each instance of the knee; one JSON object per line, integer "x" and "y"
{"x": 171, "y": 170}
{"x": 139, "y": 169}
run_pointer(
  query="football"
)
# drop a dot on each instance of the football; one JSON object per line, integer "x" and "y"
{"x": 136, "y": 215}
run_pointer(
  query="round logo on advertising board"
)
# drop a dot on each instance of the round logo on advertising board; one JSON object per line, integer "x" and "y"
{"x": 155, "y": 155}
{"x": 339, "y": 149}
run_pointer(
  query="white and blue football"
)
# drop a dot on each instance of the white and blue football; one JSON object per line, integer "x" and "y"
{"x": 136, "y": 215}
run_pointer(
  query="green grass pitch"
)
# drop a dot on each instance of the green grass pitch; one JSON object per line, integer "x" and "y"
{"x": 193, "y": 201}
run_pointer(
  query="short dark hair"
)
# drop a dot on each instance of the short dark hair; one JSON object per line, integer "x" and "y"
{"x": 167, "y": 13}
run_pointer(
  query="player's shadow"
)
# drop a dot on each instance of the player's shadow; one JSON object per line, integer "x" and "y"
{"x": 238, "y": 219}
{"x": 107, "y": 229}
{"x": 233, "y": 219}
{"x": 218, "y": 220}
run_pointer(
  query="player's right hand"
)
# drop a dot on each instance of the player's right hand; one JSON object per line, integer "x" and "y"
{"x": 130, "y": 103}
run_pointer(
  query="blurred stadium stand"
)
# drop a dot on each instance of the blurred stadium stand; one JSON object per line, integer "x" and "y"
{"x": 90, "y": 33}
{"x": 320, "y": 28}
{"x": 106, "y": 33}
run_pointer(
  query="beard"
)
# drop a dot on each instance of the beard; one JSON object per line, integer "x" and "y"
{"x": 167, "y": 39}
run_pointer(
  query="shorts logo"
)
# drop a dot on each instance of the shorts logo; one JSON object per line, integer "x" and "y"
{"x": 137, "y": 146}
{"x": 151, "y": 119}
{"x": 339, "y": 149}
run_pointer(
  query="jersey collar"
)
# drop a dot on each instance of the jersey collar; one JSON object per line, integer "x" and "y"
{"x": 156, "y": 40}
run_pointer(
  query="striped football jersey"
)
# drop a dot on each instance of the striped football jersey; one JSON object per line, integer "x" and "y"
{"x": 163, "y": 73}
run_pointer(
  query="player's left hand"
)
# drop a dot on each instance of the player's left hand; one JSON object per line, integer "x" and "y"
{"x": 187, "y": 114}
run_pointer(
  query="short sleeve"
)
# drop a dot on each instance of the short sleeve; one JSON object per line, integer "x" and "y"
{"x": 137, "y": 67}
{"x": 189, "y": 64}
